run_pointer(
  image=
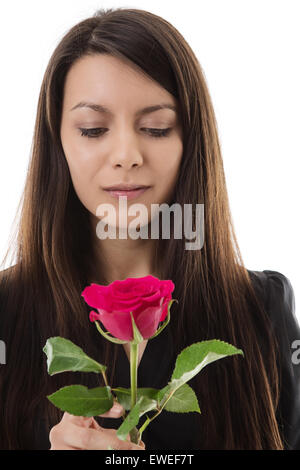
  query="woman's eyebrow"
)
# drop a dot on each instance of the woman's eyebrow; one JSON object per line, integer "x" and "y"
{"x": 103, "y": 109}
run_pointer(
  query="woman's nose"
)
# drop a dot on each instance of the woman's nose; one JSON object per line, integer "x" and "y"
{"x": 125, "y": 152}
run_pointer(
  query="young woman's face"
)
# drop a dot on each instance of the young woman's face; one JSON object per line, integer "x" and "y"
{"x": 123, "y": 147}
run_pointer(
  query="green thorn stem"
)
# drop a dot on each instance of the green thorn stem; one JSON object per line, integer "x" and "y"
{"x": 134, "y": 433}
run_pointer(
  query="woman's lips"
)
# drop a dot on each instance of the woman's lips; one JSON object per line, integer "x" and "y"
{"x": 130, "y": 194}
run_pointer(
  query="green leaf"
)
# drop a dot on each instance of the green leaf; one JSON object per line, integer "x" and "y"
{"x": 63, "y": 355}
{"x": 184, "y": 400}
{"x": 193, "y": 359}
{"x": 129, "y": 422}
{"x": 196, "y": 356}
{"x": 146, "y": 400}
{"x": 81, "y": 401}
{"x": 124, "y": 397}
{"x": 146, "y": 404}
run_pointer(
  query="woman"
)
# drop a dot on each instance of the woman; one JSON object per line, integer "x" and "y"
{"x": 91, "y": 134}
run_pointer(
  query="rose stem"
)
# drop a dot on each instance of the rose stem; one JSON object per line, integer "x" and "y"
{"x": 134, "y": 434}
{"x": 105, "y": 378}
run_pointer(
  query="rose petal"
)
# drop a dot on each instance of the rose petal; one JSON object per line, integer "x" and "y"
{"x": 96, "y": 296}
{"x": 148, "y": 320}
{"x": 117, "y": 323}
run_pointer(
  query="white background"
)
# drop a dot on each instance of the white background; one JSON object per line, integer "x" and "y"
{"x": 249, "y": 51}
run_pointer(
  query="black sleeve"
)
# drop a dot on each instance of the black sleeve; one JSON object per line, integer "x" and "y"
{"x": 280, "y": 304}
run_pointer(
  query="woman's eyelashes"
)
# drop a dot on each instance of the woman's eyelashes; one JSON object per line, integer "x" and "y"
{"x": 99, "y": 131}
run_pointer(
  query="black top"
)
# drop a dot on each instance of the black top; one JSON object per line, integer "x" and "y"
{"x": 157, "y": 365}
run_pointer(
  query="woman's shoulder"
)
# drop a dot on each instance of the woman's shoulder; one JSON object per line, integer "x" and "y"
{"x": 279, "y": 301}
{"x": 278, "y": 296}
{"x": 273, "y": 283}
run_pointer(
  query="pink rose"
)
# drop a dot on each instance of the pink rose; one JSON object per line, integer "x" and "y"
{"x": 146, "y": 297}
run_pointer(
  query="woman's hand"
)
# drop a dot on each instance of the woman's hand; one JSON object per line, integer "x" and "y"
{"x": 81, "y": 433}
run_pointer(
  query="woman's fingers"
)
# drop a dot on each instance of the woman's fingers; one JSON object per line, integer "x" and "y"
{"x": 84, "y": 433}
{"x": 142, "y": 444}
{"x": 63, "y": 448}
{"x": 116, "y": 411}
{"x": 78, "y": 420}
{"x": 95, "y": 439}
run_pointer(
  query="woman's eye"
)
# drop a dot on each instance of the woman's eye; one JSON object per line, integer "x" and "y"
{"x": 97, "y": 132}
{"x": 157, "y": 132}
{"x": 93, "y": 133}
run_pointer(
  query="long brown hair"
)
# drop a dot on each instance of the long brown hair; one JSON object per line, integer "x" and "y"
{"x": 41, "y": 293}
